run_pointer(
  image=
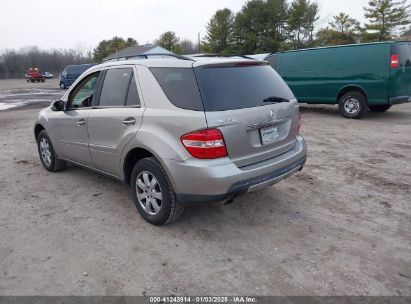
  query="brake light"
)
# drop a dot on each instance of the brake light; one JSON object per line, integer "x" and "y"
{"x": 394, "y": 61}
{"x": 205, "y": 144}
{"x": 297, "y": 130}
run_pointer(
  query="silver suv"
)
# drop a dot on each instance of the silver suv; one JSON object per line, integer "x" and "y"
{"x": 177, "y": 131}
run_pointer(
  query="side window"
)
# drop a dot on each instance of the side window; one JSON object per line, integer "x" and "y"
{"x": 115, "y": 86}
{"x": 133, "y": 99}
{"x": 180, "y": 87}
{"x": 405, "y": 55}
{"x": 82, "y": 95}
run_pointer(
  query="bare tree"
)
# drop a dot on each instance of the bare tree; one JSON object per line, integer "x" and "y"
{"x": 14, "y": 63}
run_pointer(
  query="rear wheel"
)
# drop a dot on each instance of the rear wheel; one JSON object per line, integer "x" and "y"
{"x": 153, "y": 193}
{"x": 48, "y": 157}
{"x": 353, "y": 105}
{"x": 379, "y": 108}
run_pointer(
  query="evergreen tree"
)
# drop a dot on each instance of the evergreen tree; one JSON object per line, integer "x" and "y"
{"x": 260, "y": 26}
{"x": 219, "y": 37}
{"x": 301, "y": 22}
{"x": 385, "y": 18}
{"x": 342, "y": 30}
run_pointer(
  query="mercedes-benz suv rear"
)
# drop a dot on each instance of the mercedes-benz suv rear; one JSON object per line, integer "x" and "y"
{"x": 177, "y": 131}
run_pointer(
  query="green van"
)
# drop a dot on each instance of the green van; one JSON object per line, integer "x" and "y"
{"x": 358, "y": 77}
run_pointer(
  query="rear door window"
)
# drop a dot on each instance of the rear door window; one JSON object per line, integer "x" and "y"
{"x": 230, "y": 88}
{"x": 115, "y": 87}
{"x": 404, "y": 54}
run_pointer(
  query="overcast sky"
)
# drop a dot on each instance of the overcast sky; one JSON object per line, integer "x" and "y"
{"x": 83, "y": 23}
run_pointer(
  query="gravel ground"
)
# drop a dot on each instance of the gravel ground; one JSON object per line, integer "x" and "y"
{"x": 342, "y": 226}
{"x": 17, "y": 93}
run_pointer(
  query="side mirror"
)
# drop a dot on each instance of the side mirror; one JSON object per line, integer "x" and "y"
{"x": 58, "y": 105}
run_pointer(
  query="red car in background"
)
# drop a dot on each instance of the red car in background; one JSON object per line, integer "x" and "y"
{"x": 34, "y": 75}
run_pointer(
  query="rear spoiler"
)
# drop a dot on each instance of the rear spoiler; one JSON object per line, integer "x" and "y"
{"x": 229, "y": 63}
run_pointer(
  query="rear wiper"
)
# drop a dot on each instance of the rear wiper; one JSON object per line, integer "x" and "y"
{"x": 275, "y": 99}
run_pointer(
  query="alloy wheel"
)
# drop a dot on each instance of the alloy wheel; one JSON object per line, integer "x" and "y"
{"x": 149, "y": 193}
{"x": 45, "y": 151}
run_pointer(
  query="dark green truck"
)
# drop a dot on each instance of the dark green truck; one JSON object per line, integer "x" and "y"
{"x": 357, "y": 77}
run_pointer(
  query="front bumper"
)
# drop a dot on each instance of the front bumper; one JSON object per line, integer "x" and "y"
{"x": 216, "y": 180}
{"x": 399, "y": 100}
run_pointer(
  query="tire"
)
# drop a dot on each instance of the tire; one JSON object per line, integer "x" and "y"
{"x": 353, "y": 105}
{"x": 379, "y": 108}
{"x": 169, "y": 209}
{"x": 47, "y": 155}
{"x": 62, "y": 86}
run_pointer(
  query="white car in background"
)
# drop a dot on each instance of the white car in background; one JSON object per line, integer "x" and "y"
{"x": 48, "y": 75}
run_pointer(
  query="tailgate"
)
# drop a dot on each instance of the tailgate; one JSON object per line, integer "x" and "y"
{"x": 256, "y": 134}
{"x": 253, "y": 108}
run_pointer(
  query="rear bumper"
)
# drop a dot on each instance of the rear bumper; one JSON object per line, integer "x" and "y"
{"x": 216, "y": 180}
{"x": 399, "y": 100}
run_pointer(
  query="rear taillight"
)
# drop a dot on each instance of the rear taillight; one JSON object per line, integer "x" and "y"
{"x": 205, "y": 144}
{"x": 394, "y": 61}
{"x": 298, "y": 128}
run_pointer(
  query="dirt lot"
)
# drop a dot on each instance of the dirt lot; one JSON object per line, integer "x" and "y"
{"x": 342, "y": 226}
{"x": 17, "y": 92}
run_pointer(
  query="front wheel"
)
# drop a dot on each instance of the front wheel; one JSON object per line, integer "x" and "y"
{"x": 379, "y": 108}
{"x": 48, "y": 157}
{"x": 353, "y": 105}
{"x": 153, "y": 193}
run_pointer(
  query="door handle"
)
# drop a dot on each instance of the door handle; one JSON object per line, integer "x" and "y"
{"x": 130, "y": 121}
{"x": 81, "y": 122}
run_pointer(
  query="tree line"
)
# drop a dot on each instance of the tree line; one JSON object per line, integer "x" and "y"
{"x": 13, "y": 64}
{"x": 261, "y": 26}
{"x": 264, "y": 26}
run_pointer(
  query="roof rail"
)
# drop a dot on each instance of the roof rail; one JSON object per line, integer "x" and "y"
{"x": 220, "y": 55}
{"x": 146, "y": 56}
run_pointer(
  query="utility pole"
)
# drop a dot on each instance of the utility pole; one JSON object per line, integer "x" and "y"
{"x": 199, "y": 43}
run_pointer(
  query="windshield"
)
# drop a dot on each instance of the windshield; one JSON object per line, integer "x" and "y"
{"x": 229, "y": 88}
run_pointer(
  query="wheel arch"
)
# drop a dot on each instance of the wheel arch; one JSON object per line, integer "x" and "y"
{"x": 37, "y": 129}
{"x": 131, "y": 158}
{"x": 351, "y": 88}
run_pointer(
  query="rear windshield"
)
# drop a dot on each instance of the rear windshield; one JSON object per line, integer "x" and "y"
{"x": 221, "y": 88}
{"x": 229, "y": 88}
{"x": 404, "y": 52}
